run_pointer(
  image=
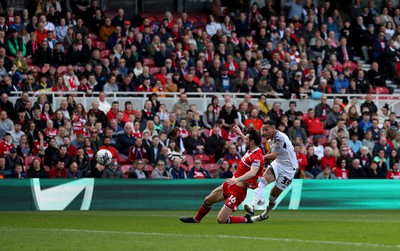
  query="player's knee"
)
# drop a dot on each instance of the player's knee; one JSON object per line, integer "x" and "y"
{"x": 222, "y": 220}
{"x": 207, "y": 201}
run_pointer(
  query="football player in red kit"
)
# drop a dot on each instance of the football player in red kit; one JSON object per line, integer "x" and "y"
{"x": 234, "y": 190}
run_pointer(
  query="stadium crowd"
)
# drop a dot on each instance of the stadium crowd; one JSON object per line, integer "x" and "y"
{"x": 304, "y": 52}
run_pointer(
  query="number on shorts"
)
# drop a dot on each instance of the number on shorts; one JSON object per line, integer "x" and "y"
{"x": 232, "y": 199}
{"x": 286, "y": 181}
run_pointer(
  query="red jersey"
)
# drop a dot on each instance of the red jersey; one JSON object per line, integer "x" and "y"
{"x": 5, "y": 148}
{"x": 78, "y": 125}
{"x": 50, "y": 133}
{"x": 183, "y": 132}
{"x": 392, "y": 174}
{"x": 341, "y": 173}
{"x": 137, "y": 134}
{"x": 255, "y": 158}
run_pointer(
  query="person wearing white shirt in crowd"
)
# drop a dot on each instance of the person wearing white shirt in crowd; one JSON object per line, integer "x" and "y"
{"x": 212, "y": 26}
{"x": 16, "y": 133}
{"x": 49, "y": 26}
{"x": 70, "y": 79}
{"x": 103, "y": 104}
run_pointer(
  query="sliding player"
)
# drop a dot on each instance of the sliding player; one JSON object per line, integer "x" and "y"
{"x": 234, "y": 190}
{"x": 282, "y": 169}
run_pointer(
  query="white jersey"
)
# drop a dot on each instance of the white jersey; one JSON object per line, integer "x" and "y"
{"x": 286, "y": 158}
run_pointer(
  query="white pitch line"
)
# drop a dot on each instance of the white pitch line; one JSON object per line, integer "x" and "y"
{"x": 358, "y": 244}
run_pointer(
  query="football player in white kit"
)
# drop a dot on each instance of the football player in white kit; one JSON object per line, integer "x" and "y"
{"x": 282, "y": 169}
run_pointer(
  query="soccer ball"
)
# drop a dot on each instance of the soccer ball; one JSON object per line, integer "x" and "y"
{"x": 104, "y": 157}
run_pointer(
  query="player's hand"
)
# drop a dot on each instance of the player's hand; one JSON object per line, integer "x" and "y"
{"x": 236, "y": 128}
{"x": 232, "y": 181}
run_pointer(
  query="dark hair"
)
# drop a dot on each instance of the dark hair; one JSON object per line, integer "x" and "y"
{"x": 254, "y": 135}
{"x": 270, "y": 123}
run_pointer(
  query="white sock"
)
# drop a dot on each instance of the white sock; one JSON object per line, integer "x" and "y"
{"x": 258, "y": 193}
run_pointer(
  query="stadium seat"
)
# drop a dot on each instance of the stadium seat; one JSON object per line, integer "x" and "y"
{"x": 104, "y": 53}
{"x": 45, "y": 68}
{"x": 205, "y": 159}
{"x": 125, "y": 169}
{"x": 192, "y": 19}
{"x": 29, "y": 61}
{"x": 34, "y": 67}
{"x": 29, "y": 159}
{"x": 99, "y": 45}
{"x": 211, "y": 167}
{"x": 93, "y": 36}
{"x": 382, "y": 90}
{"x": 148, "y": 62}
{"x": 372, "y": 90}
{"x": 206, "y": 132}
{"x": 148, "y": 169}
{"x": 122, "y": 160}
{"x": 189, "y": 159}
{"x": 62, "y": 69}
{"x": 185, "y": 167}
{"x": 154, "y": 70}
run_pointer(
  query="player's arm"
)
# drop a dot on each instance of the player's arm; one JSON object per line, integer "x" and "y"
{"x": 250, "y": 174}
{"x": 270, "y": 156}
{"x": 239, "y": 132}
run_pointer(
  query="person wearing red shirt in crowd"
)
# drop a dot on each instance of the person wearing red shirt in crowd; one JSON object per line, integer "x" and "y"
{"x": 231, "y": 65}
{"x": 112, "y": 113}
{"x": 231, "y": 135}
{"x": 147, "y": 112}
{"x": 254, "y": 120}
{"x": 137, "y": 151}
{"x": 41, "y": 33}
{"x": 50, "y": 131}
{"x": 71, "y": 150}
{"x": 198, "y": 172}
{"x": 314, "y": 125}
{"x": 128, "y": 111}
{"x": 328, "y": 159}
{"x": 107, "y": 145}
{"x": 6, "y": 145}
{"x": 59, "y": 171}
{"x": 136, "y": 130}
{"x": 78, "y": 124}
{"x": 394, "y": 173}
{"x": 301, "y": 158}
{"x": 232, "y": 156}
{"x": 234, "y": 190}
{"x": 183, "y": 132}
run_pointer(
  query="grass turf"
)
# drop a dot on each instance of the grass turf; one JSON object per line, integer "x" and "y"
{"x": 162, "y": 230}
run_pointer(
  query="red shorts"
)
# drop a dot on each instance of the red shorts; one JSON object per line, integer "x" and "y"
{"x": 234, "y": 195}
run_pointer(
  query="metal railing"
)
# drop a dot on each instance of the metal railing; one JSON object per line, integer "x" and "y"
{"x": 201, "y": 100}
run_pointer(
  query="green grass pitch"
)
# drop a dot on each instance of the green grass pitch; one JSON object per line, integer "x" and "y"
{"x": 162, "y": 230}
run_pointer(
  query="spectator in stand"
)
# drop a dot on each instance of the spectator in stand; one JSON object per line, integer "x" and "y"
{"x": 59, "y": 171}
{"x": 276, "y": 112}
{"x": 194, "y": 144}
{"x": 296, "y": 130}
{"x": 334, "y": 132}
{"x": 326, "y": 174}
{"x": 74, "y": 172}
{"x": 198, "y": 172}
{"x": 35, "y": 171}
{"x": 356, "y": 172}
{"x": 313, "y": 163}
{"x": 176, "y": 171}
{"x": 354, "y": 143}
{"x": 394, "y": 173}
{"x": 254, "y": 120}
{"x": 369, "y": 105}
{"x": 113, "y": 171}
{"x": 333, "y": 116}
{"x": 160, "y": 172}
{"x": 313, "y": 123}
{"x": 107, "y": 145}
{"x": 137, "y": 151}
{"x": 328, "y": 159}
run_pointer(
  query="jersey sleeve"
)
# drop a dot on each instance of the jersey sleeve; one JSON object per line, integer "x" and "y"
{"x": 278, "y": 144}
{"x": 257, "y": 160}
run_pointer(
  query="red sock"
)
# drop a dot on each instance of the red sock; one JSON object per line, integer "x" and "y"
{"x": 203, "y": 211}
{"x": 236, "y": 219}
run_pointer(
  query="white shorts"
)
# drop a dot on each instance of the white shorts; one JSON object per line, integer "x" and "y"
{"x": 283, "y": 175}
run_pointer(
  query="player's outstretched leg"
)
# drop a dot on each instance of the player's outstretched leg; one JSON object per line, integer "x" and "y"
{"x": 203, "y": 211}
{"x": 265, "y": 214}
{"x": 258, "y": 193}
